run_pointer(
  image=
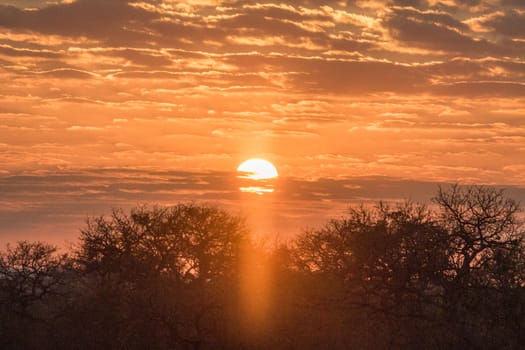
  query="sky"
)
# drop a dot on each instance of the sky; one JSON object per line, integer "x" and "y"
{"x": 113, "y": 103}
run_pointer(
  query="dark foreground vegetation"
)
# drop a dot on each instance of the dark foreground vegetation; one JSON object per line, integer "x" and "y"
{"x": 189, "y": 277}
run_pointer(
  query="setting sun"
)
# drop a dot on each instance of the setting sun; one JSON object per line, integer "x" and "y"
{"x": 257, "y": 169}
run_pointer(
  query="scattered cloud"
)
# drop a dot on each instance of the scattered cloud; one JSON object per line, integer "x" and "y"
{"x": 406, "y": 93}
{"x": 33, "y": 202}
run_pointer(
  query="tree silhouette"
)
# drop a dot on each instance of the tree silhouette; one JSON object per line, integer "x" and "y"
{"x": 32, "y": 277}
{"x": 176, "y": 267}
{"x": 485, "y": 275}
{"x": 414, "y": 270}
{"x": 398, "y": 276}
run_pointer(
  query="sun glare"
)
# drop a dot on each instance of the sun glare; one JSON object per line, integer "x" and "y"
{"x": 257, "y": 175}
{"x": 257, "y": 169}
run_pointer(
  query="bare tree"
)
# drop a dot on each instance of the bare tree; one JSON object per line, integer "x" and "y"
{"x": 453, "y": 269}
{"x": 175, "y": 268}
{"x": 33, "y": 283}
{"x": 483, "y": 284}
{"x": 398, "y": 276}
{"x": 29, "y": 272}
{"x": 483, "y": 231}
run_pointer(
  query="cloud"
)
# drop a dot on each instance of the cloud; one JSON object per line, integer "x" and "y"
{"x": 154, "y": 58}
{"x": 23, "y": 52}
{"x": 514, "y": 3}
{"x": 26, "y": 3}
{"x": 67, "y": 73}
{"x": 510, "y": 23}
{"x": 436, "y": 31}
{"x": 36, "y": 202}
{"x": 482, "y": 88}
{"x": 102, "y": 19}
{"x": 342, "y": 76}
{"x": 410, "y": 91}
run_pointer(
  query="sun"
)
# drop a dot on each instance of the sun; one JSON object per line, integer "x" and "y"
{"x": 257, "y": 169}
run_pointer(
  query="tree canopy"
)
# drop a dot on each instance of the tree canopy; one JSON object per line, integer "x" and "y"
{"x": 450, "y": 273}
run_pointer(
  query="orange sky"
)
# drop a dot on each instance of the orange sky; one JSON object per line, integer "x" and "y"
{"x": 107, "y": 103}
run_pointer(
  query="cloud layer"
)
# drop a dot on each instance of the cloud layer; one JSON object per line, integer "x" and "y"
{"x": 54, "y": 206}
{"x": 426, "y": 91}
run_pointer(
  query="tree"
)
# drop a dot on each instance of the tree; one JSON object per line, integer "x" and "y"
{"x": 32, "y": 277}
{"x": 483, "y": 231}
{"x": 452, "y": 270}
{"x": 399, "y": 276}
{"x": 30, "y": 272}
{"x": 483, "y": 284}
{"x": 186, "y": 242}
{"x": 174, "y": 269}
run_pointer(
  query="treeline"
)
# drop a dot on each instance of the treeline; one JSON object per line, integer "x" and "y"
{"x": 404, "y": 276}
